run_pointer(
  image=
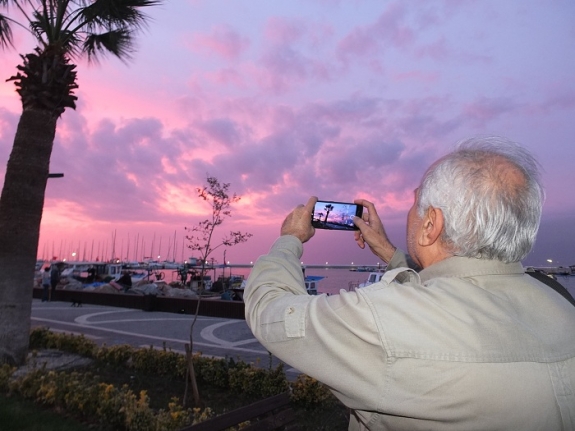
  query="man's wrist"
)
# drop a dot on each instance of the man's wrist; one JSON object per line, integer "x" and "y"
{"x": 386, "y": 253}
{"x": 289, "y": 242}
{"x": 294, "y": 234}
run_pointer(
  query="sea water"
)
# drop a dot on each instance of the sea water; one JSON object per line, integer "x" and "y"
{"x": 337, "y": 279}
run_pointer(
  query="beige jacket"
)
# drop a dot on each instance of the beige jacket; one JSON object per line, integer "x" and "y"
{"x": 466, "y": 344}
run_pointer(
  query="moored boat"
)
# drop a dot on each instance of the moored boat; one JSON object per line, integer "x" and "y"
{"x": 90, "y": 272}
{"x": 374, "y": 277}
{"x": 311, "y": 283}
{"x": 311, "y": 286}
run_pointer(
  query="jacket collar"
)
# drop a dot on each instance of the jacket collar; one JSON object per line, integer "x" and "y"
{"x": 457, "y": 266}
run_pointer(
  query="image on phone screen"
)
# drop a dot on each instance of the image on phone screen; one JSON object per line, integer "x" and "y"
{"x": 335, "y": 215}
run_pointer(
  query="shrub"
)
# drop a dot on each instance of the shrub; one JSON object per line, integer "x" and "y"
{"x": 43, "y": 338}
{"x": 309, "y": 392}
{"x": 117, "y": 355}
{"x": 78, "y": 393}
{"x": 176, "y": 416}
{"x": 160, "y": 362}
{"x": 82, "y": 395}
{"x": 6, "y": 372}
{"x": 258, "y": 382}
{"x": 214, "y": 371}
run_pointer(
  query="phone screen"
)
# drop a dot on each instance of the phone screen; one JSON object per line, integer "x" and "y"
{"x": 335, "y": 215}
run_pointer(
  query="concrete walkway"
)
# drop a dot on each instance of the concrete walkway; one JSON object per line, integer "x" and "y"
{"x": 213, "y": 336}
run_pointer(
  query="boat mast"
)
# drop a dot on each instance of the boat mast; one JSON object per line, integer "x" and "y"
{"x": 137, "y": 241}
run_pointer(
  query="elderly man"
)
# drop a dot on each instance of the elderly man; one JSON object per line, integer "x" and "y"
{"x": 468, "y": 343}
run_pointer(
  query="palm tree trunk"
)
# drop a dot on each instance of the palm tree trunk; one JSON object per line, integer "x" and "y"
{"x": 21, "y": 205}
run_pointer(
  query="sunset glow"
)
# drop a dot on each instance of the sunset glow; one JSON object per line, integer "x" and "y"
{"x": 283, "y": 100}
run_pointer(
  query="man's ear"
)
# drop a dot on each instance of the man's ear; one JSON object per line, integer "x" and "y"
{"x": 432, "y": 226}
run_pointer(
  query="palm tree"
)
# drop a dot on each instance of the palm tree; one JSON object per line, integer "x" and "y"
{"x": 64, "y": 30}
{"x": 328, "y": 208}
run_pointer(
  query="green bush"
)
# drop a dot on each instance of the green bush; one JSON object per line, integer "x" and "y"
{"x": 117, "y": 355}
{"x": 213, "y": 371}
{"x": 258, "y": 382}
{"x": 6, "y": 372}
{"x": 83, "y": 396}
{"x": 238, "y": 376}
{"x": 42, "y": 338}
{"x": 309, "y": 392}
{"x": 39, "y": 338}
{"x": 160, "y": 362}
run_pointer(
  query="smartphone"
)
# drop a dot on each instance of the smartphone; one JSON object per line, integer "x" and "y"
{"x": 335, "y": 215}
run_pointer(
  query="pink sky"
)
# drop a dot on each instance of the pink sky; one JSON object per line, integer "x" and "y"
{"x": 339, "y": 99}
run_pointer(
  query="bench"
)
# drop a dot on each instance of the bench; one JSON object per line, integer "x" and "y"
{"x": 273, "y": 413}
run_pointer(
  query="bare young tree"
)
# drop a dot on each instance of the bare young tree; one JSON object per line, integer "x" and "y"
{"x": 201, "y": 239}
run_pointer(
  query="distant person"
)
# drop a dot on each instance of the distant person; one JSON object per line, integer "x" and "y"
{"x": 124, "y": 283}
{"x": 54, "y": 279}
{"x": 91, "y": 275}
{"x": 46, "y": 284}
{"x": 469, "y": 343}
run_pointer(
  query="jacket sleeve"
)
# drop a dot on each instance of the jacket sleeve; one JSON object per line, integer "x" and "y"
{"x": 402, "y": 260}
{"x": 333, "y": 339}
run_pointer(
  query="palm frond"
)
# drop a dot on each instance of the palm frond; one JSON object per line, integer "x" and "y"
{"x": 71, "y": 43}
{"x": 40, "y": 25}
{"x": 117, "y": 42}
{"x": 116, "y": 13}
{"x": 5, "y": 32}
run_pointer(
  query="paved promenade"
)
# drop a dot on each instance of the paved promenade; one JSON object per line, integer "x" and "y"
{"x": 213, "y": 336}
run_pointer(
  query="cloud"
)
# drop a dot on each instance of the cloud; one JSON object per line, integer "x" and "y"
{"x": 562, "y": 100}
{"x": 282, "y": 31}
{"x": 338, "y": 99}
{"x": 223, "y": 40}
{"x": 294, "y": 53}
{"x": 229, "y": 77}
{"x": 222, "y": 130}
{"x": 114, "y": 170}
{"x": 437, "y": 50}
{"x": 282, "y": 68}
{"x": 389, "y": 30}
{"x": 484, "y": 110}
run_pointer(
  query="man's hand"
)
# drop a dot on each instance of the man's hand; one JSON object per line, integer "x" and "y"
{"x": 298, "y": 222}
{"x": 372, "y": 232}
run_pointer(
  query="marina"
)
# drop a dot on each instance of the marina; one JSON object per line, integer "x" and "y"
{"x": 161, "y": 260}
{"x": 221, "y": 283}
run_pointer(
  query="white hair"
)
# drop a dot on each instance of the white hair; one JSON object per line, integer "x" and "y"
{"x": 488, "y": 212}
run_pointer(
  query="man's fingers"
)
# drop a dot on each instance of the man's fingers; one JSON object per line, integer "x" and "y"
{"x": 310, "y": 204}
{"x": 365, "y": 203}
{"x": 359, "y": 238}
{"x": 359, "y": 222}
{"x": 362, "y": 225}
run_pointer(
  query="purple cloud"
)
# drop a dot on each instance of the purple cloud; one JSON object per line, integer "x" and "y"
{"x": 223, "y": 40}
{"x": 390, "y": 30}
